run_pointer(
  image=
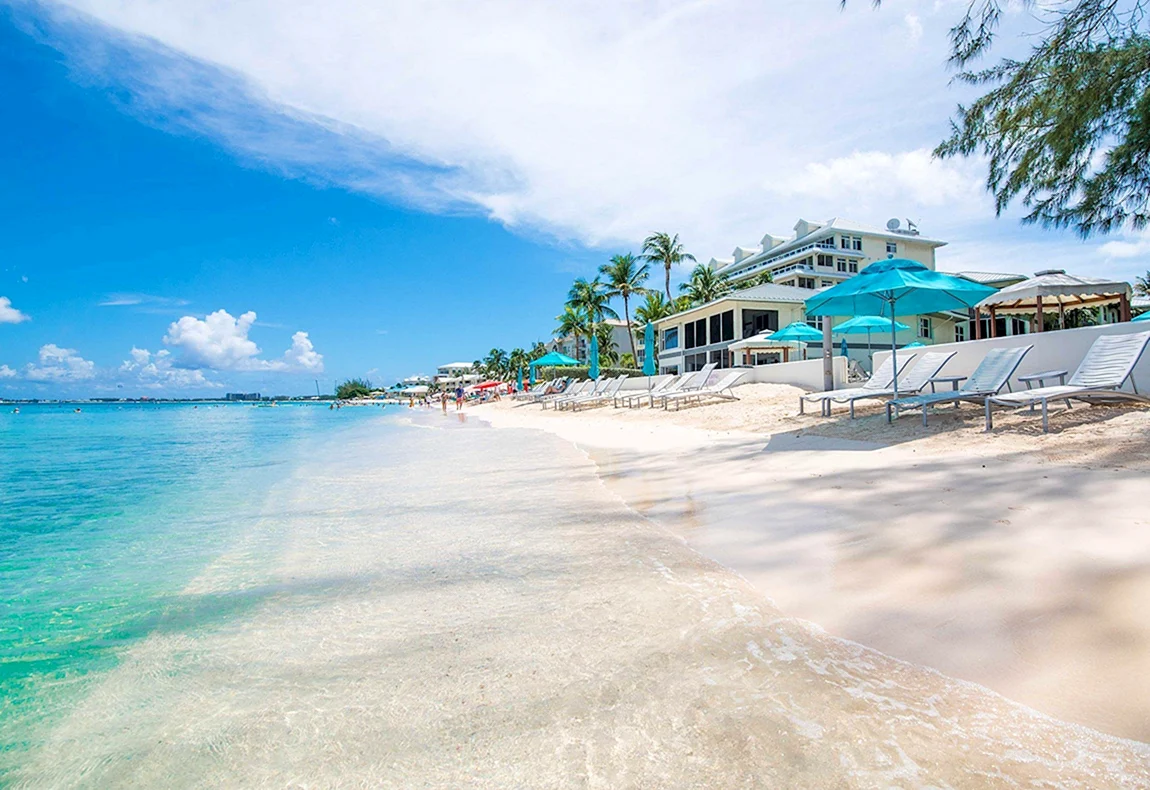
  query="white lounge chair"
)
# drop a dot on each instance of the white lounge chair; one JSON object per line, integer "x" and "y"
{"x": 1109, "y": 363}
{"x": 631, "y": 398}
{"x": 534, "y": 392}
{"x": 992, "y": 374}
{"x": 598, "y": 387}
{"x": 690, "y": 381}
{"x": 721, "y": 389}
{"x": 607, "y": 394}
{"x": 879, "y": 383}
{"x": 574, "y": 390}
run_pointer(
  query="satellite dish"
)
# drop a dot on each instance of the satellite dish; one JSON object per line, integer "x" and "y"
{"x": 892, "y": 224}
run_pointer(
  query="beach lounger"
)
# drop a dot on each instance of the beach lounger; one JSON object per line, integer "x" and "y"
{"x": 913, "y": 380}
{"x": 992, "y": 374}
{"x": 607, "y": 394}
{"x": 573, "y": 391}
{"x": 879, "y": 382}
{"x": 537, "y": 391}
{"x": 632, "y": 398}
{"x": 1109, "y": 363}
{"x": 689, "y": 381}
{"x": 720, "y": 390}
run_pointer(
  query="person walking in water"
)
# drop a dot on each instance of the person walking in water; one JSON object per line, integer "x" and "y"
{"x": 459, "y": 398}
{"x": 443, "y": 400}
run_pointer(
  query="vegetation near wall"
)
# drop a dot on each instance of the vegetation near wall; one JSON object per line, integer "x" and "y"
{"x": 581, "y": 372}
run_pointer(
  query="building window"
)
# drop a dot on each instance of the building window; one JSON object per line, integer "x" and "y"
{"x": 892, "y": 248}
{"x": 827, "y": 283}
{"x": 807, "y": 282}
{"x": 959, "y": 333}
{"x": 758, "y": 321}
{"x": 841, "y": 264}
{"x": 845, "y": 242}
{"x": 856, "y": 243}
{"x": 826, "y": 261}
{"x": 701, "y": 332}
{"x": 670, "y": 338}
{"x": 815, "y": 322}
{"x": 924, "y": 327}
{"x": 728, "y": 321}
{"x": 854, "y": 267}
{"x": 689, "y": 334}
{"x": 716, "y": 328}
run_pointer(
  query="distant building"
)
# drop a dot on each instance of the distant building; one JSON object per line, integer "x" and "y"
{"x": 457, "y": 373}
{"x": 416, "y": 381}
{"x": 242, "y": 396}
{"x": 577, "y": 348}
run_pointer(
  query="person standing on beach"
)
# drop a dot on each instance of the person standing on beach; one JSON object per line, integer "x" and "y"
{"x": 459, "y": 398}
{"x": 443, "y": 400}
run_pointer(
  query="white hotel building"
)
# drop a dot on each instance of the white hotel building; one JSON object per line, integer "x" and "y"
{"x": 818, "y": 255}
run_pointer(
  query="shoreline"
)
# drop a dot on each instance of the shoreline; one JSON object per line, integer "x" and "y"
{"x": 981, "y": 562}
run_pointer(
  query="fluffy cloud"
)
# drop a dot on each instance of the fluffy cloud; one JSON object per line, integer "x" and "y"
{"x": 7, "y": 372}
{"x": 9, "y": 314}
{"x": 220, "y": 341}
{"x": 59, "y": 365}
{"x": 593, "y": 122}
{"x": 156, "y": 371}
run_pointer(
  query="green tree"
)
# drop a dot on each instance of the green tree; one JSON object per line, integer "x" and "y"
{"x": 627, "y": 361}
{"x": 608, "y": 351}
{"x": 762, "y": 278}
{"x": 706, "y": 285}
{"x": 538, "y": 349}
{"x": 1067, "y": 129}
{"x": 517, "y": 360}
{"x": 495, "y": 364}
{"x": 353, "y": 388}
{"x": 573, "y": 322}
{"x": 665, "y": 249}
{"x": 625, "y": 277}
{"x": 1142, "y": 284}
{"x": 592, "y": 298}
{"x": 653, "y": 308}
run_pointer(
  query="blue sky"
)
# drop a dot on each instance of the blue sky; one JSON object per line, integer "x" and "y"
{"x": 391, "y": 187}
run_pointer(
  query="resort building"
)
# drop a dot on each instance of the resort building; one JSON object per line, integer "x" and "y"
{"x": 457, "y": 373}
{"x": 822, "y": 254}
{"x": 576, "y": 348}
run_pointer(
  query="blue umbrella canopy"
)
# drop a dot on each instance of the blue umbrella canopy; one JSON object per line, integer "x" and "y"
{"x": 554, "y": 359}
{"x": 897, "y": 287}
{"x": 1144, "y": 317}
{"x": 593, "y": 356}
{"x": 531, "y": 375}
{"x": 519, "y": 378}
{"x": 798, "y": 332}
{"x": 865, "y": 324}
{"x": 915, "y": 344}
{"x": 649, "y": 350}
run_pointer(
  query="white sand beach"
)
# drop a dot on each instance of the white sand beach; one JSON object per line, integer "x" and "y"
{"x": 1016, "y": 560}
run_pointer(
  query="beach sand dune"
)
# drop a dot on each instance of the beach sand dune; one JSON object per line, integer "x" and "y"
{"x": 469, "y": 607}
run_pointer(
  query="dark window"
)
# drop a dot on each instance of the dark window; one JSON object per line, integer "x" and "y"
{"x": 716, "y": 328}
{"x": 807, "y": 282}
{"x": 857, "y": 243}
{"x": 841, "y": 264}
{"x": 671, "y": 338}
{"x": 689, "y": 334}
{"x": 854, "y": 267}
{"x": 701, "y": 332}
{"x": 729, "y": 325}
{"x": 757, "y": 321}
{"x": 826, "y": 261}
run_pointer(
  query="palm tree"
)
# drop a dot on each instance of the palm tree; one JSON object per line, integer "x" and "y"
{"x": 538, "y": 349}
{"x": 762, "y": 278}
{"x": 496, "y": 363}
{"x": 608, "y": 351}
{"x": 1142, "y": 284}
{"x": 655, "y": 307}
{"x": 665, "y": 249}
{"x": 705, "y": 285}
{"x": 592, "y": 298}
{"x": 516, "y": 361}
{"x": 573, "y": 322}
{"x": 625, "y": 278}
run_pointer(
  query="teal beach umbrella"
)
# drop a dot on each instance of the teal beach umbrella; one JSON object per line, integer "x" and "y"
{"x": 593, "y": 357}
{"x": 649, "y": 350}
{"x": 1144, "y": 317}
{"x": 897, "y": 287}
{"x": 553, "y": 359}
{"x": 843, "y": 347}
{"x": 519, "y": 379}
{"x": 915, "y": 344}
{"x": 798, "y": 332}
{"x": 867, "y": 323}
{"x": 531, "y": 375}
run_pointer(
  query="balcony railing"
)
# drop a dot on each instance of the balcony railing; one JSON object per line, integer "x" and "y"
{"x": 825, "y": 244}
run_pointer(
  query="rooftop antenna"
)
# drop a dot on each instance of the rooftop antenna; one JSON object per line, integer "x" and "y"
{"x": 911, "y": 227}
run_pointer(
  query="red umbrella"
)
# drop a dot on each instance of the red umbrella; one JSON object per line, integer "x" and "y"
{"x": 488, "y": 385}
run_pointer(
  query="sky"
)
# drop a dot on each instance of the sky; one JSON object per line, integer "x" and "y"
{"x": 199, "y": 196}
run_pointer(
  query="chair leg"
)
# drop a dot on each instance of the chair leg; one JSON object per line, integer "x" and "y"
{"x": 800, "y": 405}
{"x": 925, "y": 407}
{"x": 852, "y": 408}
{"x": 1045, "y": 418}
{"x": 989, "y": 420}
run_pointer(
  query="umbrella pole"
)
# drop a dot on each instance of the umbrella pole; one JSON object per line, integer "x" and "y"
{"x": 893, "y": 349}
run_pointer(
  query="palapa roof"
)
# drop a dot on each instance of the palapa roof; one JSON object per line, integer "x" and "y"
{"x": 1056, "y": 287}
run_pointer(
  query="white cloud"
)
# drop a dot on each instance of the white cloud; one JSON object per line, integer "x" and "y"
{"x": 59, "y": 365}
{"x": 220, "y": 341}
{"x": 156, "y": 371}
{"x": 593, "y": 122}
{"x": 7, "y": 372}
{"x": 9, "y": 314}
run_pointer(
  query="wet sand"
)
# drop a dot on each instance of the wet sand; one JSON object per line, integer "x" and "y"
{"x": 997, "y": 563}
{"x": 455, "y": 606}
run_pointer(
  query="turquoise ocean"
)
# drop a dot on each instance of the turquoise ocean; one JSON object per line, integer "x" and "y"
{"x": 106, "y": 514}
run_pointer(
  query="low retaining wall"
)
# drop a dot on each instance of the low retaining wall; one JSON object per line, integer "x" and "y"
{"x": 1058, "y": 350}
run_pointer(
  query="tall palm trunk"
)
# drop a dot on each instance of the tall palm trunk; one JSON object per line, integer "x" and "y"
{"x": 667, "y": 268}
{"x": 630, "y": 333}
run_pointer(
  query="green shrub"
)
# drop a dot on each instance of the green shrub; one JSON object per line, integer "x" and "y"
{"x": 580, "y": 372}
{"x": 353, "y": 388}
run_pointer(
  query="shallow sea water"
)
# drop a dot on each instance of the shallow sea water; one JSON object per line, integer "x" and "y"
{"x": 422, "y": 602}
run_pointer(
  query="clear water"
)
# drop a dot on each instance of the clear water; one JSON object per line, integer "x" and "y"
{"x": 106, "y": 514}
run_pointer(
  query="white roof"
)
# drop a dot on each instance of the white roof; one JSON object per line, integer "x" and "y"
{"x": 767, "y": 292}
{"x": 985, "y": 278}
{"x": 1056, "y": 287}
{"x": 461, "y": 365}
{"x": 759, "y": 341}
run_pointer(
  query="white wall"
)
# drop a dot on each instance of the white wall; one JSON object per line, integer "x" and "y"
{"x": 1061, "y": 350}
{"x": 807, "y": 374}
